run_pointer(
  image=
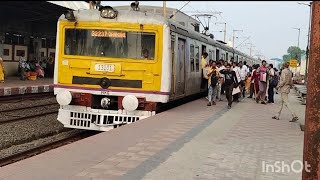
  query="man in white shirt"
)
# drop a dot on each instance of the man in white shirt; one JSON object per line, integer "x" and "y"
{"x": 244, "y": 70}
{"x": 236, "y": 69}
{"x": 221, "y": 79}
{"x": 270, "y": 89}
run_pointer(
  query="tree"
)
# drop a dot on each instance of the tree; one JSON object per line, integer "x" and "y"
{"x": 286, "y": 58}
{"x": 294, "y": 52}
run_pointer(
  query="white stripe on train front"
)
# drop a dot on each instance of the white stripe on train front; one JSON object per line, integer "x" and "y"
{"x": 163, "y": 98}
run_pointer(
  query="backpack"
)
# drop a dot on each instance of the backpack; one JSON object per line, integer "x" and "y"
{"x": 274, "y": 81}
{"x": 214, "y": 79}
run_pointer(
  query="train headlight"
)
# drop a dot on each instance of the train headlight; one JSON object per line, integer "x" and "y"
{"x": 130, "y": 103}
{"x": 64, "y": 97}
{"x": 105, "y": 102}
{"x": 108, "y": 12}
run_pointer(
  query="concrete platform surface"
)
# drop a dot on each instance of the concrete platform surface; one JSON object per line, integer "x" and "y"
{"x": 239, "y": 146}
{"x": 15, "y": 86}
{"x": 192, "y": 141}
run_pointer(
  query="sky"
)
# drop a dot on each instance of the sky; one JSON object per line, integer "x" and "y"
{"x": 268, "y": 23}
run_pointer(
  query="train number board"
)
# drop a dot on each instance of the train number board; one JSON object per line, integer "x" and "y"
{"x": 104, "y": 33}
{"x": 104, "y": 67}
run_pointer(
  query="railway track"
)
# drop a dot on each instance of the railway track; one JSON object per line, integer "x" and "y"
{"x": 45, "y": 147}
{"x": 22, "y": 97}
{"x": 27, "y": 107}
{"x": 16, "y": 116}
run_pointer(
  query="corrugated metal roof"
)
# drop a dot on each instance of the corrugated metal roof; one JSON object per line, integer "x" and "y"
{"x": 75, "y": 5}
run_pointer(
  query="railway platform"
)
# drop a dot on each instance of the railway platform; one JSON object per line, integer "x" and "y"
{"x": 192, "y": 141}
{"x": 14, "y": 86}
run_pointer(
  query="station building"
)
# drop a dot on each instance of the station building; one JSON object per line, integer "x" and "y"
{"x": 30, "y": 27}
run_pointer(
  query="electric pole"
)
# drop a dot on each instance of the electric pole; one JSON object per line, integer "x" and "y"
{"x": 233, "y": 37}
{"x": 164, "y": 9}
{"x": 298, "y": 34}
{"x": 225, "y": 30}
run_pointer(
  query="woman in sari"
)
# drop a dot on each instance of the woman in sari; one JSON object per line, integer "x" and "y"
{"x": 39, "y": 70}
{"x": 248, "y": 83}
{"x": 255, "y": 78}
{"x": 263, "y": 79}
{"x": 1, "y": 71}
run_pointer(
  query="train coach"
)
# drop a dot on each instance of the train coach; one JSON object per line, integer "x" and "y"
{"x": 114, "y": 67}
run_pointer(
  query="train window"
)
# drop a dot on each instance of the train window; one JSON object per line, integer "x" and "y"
{"x": 191, "y": 57}
{"x": 197, "y": 58}
{"x": 210, "y": 54}
{"x": 110, "y": 43}
{"x": 213, "y": 55}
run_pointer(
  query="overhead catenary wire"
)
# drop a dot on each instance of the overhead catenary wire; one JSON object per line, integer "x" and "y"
{"x": 179, "y": 9}
{"x": 213, "y": 10}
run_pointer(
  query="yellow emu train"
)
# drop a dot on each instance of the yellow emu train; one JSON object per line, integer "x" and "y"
{"x": 113, "y": 67}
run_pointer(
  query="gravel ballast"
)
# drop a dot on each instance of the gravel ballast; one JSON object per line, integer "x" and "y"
{"x": 26, "y": 134}
{"x": 19, "y": 132}
{"x": 32, "y": 111}
{"x": 39, "y": 142}
{"x": 26, "y": 103}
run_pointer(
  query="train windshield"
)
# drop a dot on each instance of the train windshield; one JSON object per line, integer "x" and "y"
{"x": 109, "y": 43}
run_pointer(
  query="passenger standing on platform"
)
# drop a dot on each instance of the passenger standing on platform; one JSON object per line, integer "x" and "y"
{"x": 243, "y": 76}
{"x": 255, "y": 77}
{"x": 272, "y": 85}
{"x": 43, "y": 65}
{"x": 284, "y": 89}
{"x": 2, "y": 72}
{"x": 230, "y": 82}
{"x": 250, "y": 69}
{"x": 248, "y": 83}
{"x": 50, "y": 66}
{"x": 22, "y": 65}
{"x": 211, "y": 73}
{"x": 252, "y": 84}
{"x": 236, "y": 69}
{"x": 277, "y": 74}
{"x": 263, "y": 78}
{"x": 39, "y": 70}
{"x": 221, "y": 80}
{"x": 231, "y": 61}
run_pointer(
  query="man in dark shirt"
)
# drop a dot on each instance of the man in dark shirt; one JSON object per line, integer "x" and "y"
{"x": 230, "y": 82}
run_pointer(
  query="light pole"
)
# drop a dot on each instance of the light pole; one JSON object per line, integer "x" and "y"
{"x": 233, "y": 37}
{"x": 225, "y": 30}
{"x": 298, "y": 34}
{"x": 164, "y": 5}
{"x": 251, "y": 46}
{"x": 308, "y": 43}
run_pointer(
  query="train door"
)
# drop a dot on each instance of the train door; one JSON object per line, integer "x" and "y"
{"x": 203, "y": 49}
{"x": 173, "y": 87}
{"x": 180, "y": 69}
{"x": 217, "y": 55}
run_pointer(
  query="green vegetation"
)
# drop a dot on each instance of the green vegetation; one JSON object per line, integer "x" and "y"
{"x": 293, "y": 52}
